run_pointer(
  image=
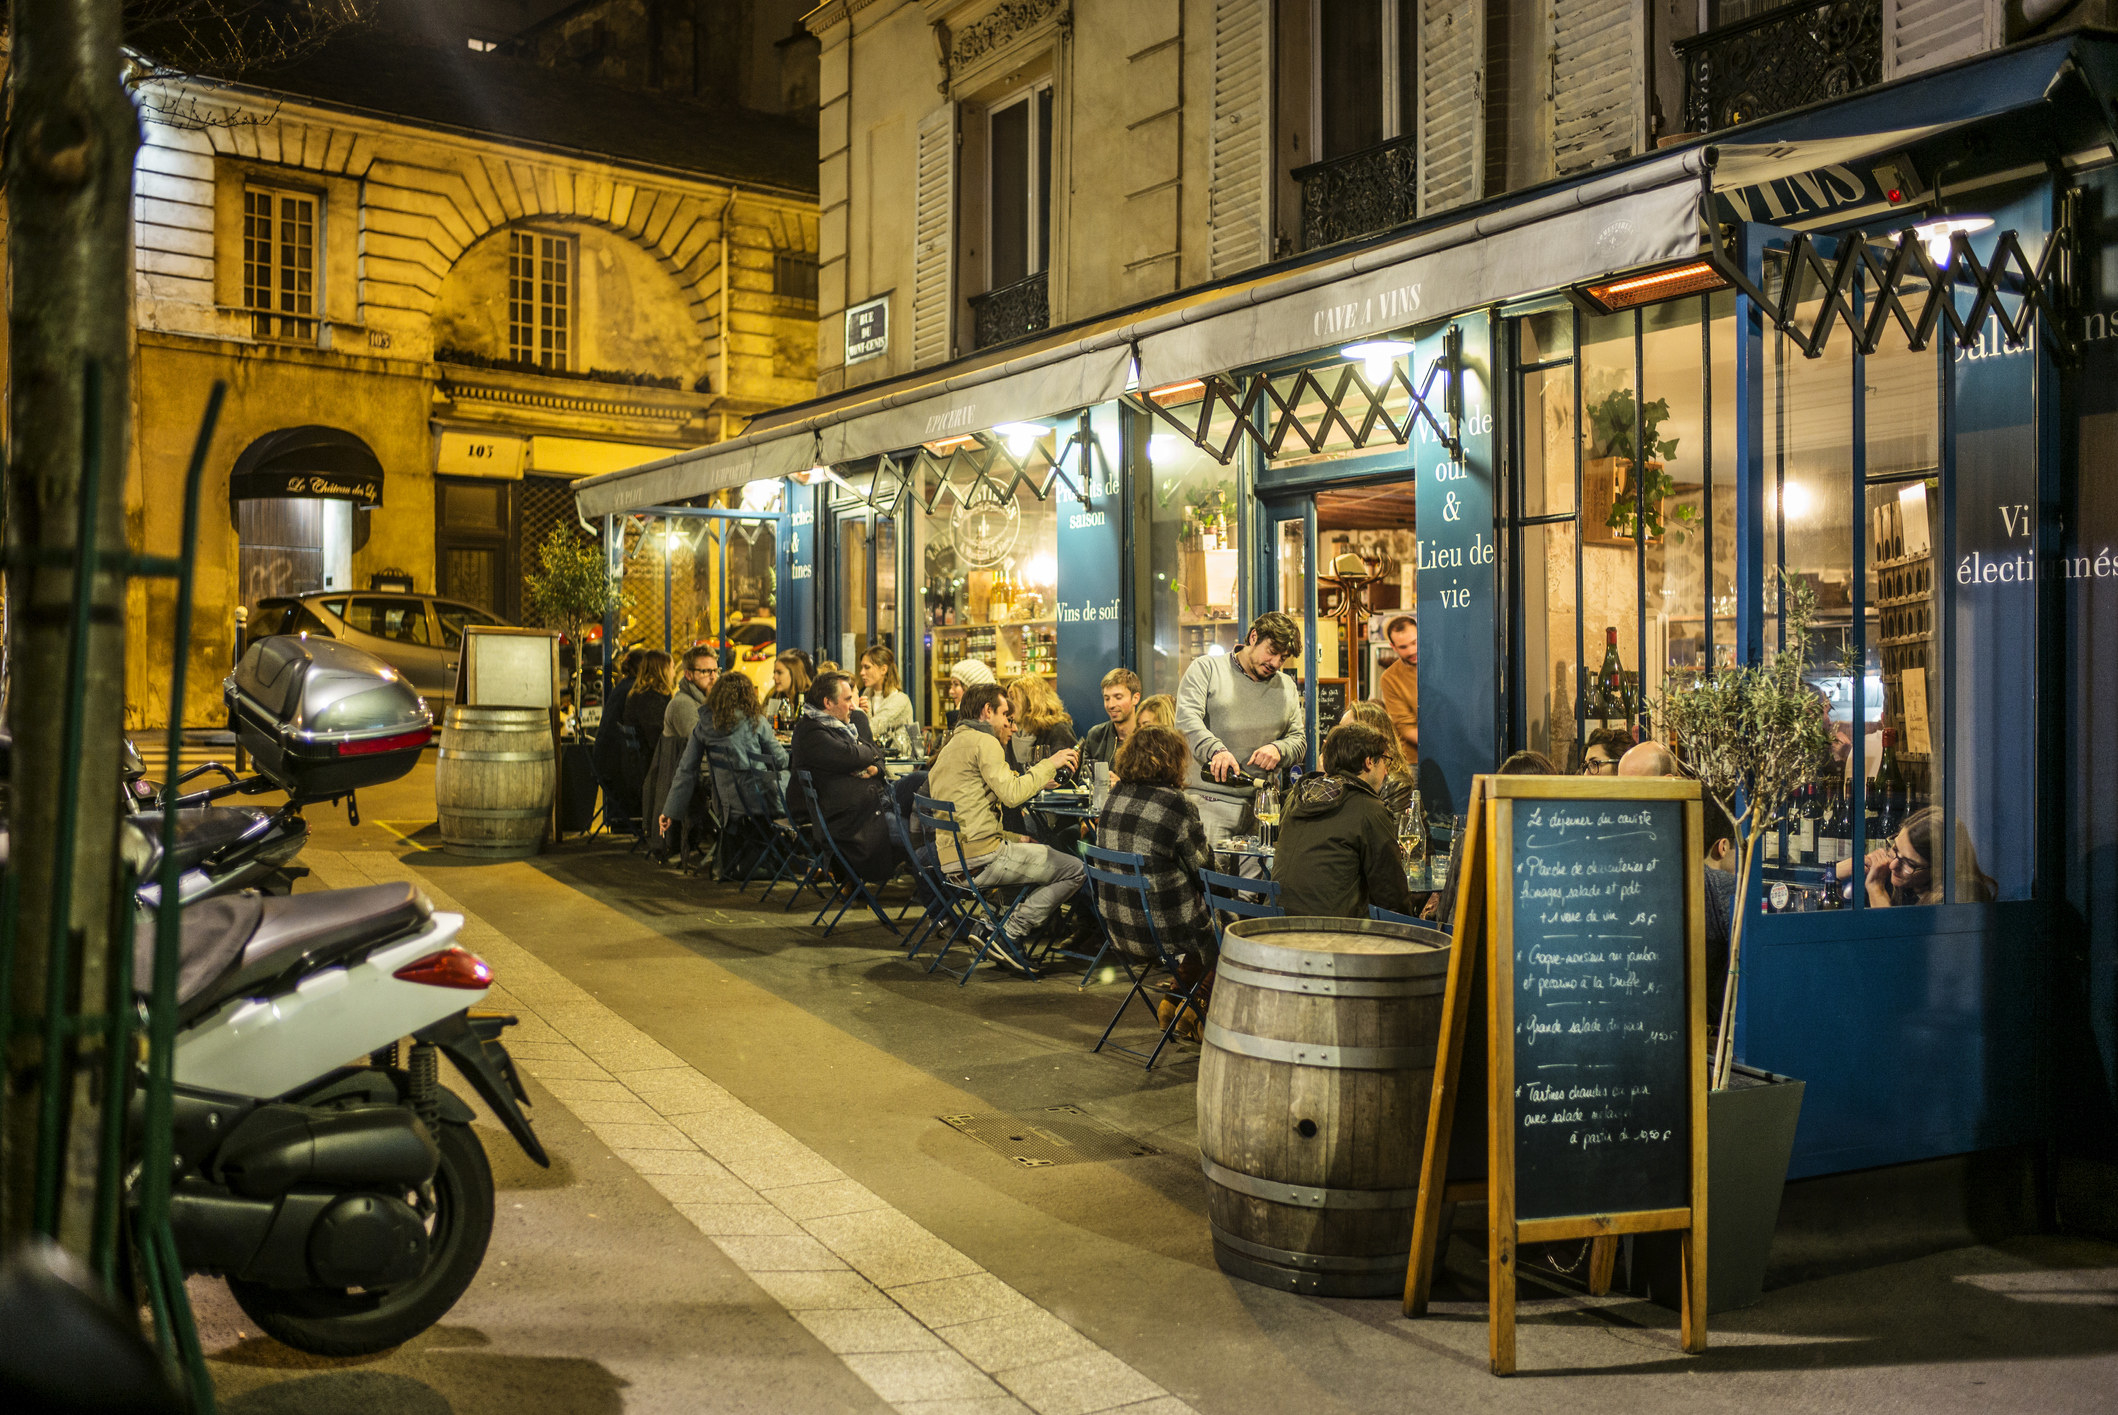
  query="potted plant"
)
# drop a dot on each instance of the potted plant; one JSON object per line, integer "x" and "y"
{"x": 1614, "y": 464}
{"x": 568, "y": 588}
{"x": 1753, "y": 734}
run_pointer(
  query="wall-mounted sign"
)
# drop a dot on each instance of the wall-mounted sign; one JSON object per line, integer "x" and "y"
{"x": 479, "y": 454}
{"x": 868, "y": 330}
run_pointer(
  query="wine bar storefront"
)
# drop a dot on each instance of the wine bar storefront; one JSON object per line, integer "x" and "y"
{"x": 1593, "y": 440}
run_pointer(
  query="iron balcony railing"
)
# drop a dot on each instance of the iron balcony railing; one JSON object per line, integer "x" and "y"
{"x": 1011, "y": 311}
{"x": 1781, "y": 59}
{"x": 1358, "y": 194}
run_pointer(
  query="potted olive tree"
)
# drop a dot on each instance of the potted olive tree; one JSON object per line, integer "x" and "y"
{"x": 1753, "y": 734}
{"x": 569, "y": 588}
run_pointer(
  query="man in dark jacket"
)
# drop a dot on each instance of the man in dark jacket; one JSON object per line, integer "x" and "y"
{"x": 832, "y": 742}
{"x": 1338, "y": 842}
{"x": 608, "y": 754}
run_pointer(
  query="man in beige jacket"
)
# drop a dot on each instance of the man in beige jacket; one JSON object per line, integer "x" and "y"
{"x": 973, "y": 773}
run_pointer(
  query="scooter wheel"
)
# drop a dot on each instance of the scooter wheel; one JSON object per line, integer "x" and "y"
{"x": 358, "y": 1321}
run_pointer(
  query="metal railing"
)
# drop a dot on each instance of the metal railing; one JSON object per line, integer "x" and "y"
{"x": 1011, "y": 311}
{"x": 1781, "y": 59}
{"x": 1359, "y": 194}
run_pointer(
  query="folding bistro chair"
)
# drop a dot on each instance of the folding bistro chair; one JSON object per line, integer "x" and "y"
{"x": 1391, "y": 916}
{"x": 980, "y": 909}
{"x": 757, "y": 816}
{"x": 1224, "y": 895}
{"x": 944, "y": 912}
{"x": 848, "y": 885}
{"x": 1121, "y": 869}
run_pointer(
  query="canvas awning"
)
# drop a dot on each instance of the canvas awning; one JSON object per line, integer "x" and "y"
{"x": 310, "y": 461}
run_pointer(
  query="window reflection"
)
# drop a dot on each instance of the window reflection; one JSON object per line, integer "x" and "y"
{"x": 1193, "y": 554}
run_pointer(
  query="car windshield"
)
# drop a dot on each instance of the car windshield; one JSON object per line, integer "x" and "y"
{"x": 751, "y": 635}
{"x": 403, "y": 621}
{"x": 454, "y": 616}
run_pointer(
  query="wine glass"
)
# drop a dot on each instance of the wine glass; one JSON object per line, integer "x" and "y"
{"x": 1266, "y": 805}
{"x": 1412, "y": 841}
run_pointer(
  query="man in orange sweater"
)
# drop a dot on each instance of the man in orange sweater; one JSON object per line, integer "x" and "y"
{"x": 1400, "y": 682}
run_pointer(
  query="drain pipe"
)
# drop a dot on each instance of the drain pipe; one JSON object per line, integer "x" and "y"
{"x": 721, "y": 379}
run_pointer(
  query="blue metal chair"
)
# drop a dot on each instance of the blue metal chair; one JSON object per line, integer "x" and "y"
{"x": 1123, "y": 870}
{"x": 848, "y": 886}
{"x": 1391, "y": 916}
{"x": 985, "y": 918}
{"x": 758, "y": 817}
{"x": 944, "y": 910}
{"x": 1224, "y": 895}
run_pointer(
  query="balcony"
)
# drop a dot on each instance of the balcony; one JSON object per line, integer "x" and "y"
{"x": 1012, "y": 311}
{"x": 1357, "y": 195}
{"x": 1782, "y": 59}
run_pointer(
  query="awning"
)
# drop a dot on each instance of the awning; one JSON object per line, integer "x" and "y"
{"x": 307, "y": 461}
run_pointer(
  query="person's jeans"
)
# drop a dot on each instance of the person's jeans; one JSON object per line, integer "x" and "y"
{"x": 1025, "y": 862}
{"x": 1223, "y": 817}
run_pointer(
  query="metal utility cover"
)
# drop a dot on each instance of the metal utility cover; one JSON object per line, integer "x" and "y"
{"x": 1060, "y": 1134}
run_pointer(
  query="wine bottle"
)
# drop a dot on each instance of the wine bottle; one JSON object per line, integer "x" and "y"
{"x": 1887, "y": 792}
{"x": 1805, "y": 824}
{"x": 1610, "y": 681}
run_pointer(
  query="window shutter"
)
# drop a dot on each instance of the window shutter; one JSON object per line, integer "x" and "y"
{"x": 1598, "y": 107}
{"x": 1452, "y": 73}
{"x": 1925, "y": 34}
{"x": 1239, "y": 161}
{"x": 933, "y": 238}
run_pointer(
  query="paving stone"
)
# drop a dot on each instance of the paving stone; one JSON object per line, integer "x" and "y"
{"x": 815, "y": 1291}
{"x": 888, "y": 1248}
{"x": 657, "y": 1136}
{"x": 840, "y": 1196}
{"x": 1162, "y": 1405}
{"x": 1078, "y": 1385}
{"x": 867, "y": 1329}
{"x": 649, "y": 1163}
{"x": 920, "y": 1375}
{"x": 779, "y": 1254}
{"x": 578, "y": 1091}
{"x": 959, "y": 1299}
{"x": 739, "y": 1220}
{"x": 625, "y": 1112}
{"x": 988, "y": 1405}
{"x": 710, "y": 1186}
{"x": 1018, "y": 1339}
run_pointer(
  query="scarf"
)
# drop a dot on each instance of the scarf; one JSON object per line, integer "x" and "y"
{"x": 819, "y": 715}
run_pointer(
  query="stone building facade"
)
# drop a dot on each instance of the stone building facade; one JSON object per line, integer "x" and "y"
{"x": 495, "y": 277}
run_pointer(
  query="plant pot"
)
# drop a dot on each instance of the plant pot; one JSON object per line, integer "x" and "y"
{"x": 1749, "y": 1141}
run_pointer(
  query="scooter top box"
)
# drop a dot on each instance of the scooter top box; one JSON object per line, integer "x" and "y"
{"x": 322, "y": 718}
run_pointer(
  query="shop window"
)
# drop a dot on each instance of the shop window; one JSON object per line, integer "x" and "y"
{"x": 540, "y": 285}
{"x": 1018, "y": 187}
{"x": 1193, "y": 557}
{"x": 988, "y": 562}
{"x": 281, "y": 234}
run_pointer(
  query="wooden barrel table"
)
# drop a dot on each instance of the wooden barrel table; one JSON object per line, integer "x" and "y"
{"x": 493, "y": 781}
{"x": 1313, "y": 1089}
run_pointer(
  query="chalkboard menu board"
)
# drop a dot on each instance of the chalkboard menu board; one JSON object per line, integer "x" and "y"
{"x": 1602, "y": 1076}
{"x": 1575, "y": 975}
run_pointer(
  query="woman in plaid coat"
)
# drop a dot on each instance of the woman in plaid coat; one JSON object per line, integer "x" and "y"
{"x": 1148, "y": 814}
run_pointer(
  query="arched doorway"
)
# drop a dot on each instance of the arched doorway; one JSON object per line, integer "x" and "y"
{"x": 299, "y": 498}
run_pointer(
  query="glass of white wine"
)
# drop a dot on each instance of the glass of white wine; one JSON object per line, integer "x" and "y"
{"x": 1412, "y": 842}
{"x": 1266, "y": 806}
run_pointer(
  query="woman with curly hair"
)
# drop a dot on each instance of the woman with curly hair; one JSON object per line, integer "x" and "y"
{"x": 734, "y": 726}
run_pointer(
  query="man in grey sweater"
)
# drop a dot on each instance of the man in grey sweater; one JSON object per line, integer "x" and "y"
{"x": 1236, "y": 711}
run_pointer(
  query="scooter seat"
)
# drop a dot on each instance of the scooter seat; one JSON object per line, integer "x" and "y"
{"x": 204, "y": 831}
{"x": 248, "y": 945}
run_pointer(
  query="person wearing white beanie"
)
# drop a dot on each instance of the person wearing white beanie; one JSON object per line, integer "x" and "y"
{"x": 967, "y": 673}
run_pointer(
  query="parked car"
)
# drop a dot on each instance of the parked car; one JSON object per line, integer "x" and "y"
{"x": 750, "y": 648}
{"x": 418, "y": 635}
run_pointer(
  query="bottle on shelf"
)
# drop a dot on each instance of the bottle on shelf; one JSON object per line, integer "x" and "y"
{"x": 1886, "y": 794}
{"x": 1610, "y": 699}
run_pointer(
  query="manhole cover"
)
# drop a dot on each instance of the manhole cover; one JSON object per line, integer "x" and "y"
{"x": 1060, "y": 1134}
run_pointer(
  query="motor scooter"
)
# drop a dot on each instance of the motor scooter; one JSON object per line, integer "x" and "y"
{"x": 347, "y": 1205}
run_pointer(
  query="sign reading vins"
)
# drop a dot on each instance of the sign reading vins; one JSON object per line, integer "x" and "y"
{"x": 1602, "y": 1086}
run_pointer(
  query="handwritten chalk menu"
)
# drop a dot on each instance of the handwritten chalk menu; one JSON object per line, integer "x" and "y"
{"x": 1602, "y": 1083}
{"x": 1576, "y": 975}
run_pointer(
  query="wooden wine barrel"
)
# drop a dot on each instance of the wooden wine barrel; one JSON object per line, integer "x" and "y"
{"x": 493, "y": 781}
{"x": 1313, "y": 1090}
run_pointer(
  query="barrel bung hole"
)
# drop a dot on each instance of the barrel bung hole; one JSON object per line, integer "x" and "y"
{"x": 1306, "y": 1129}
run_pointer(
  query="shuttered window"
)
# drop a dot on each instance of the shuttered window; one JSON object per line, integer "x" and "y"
{"x": 933, "y": 230}
{"x": 1239, "y": 180}
{"x": 1925, "y": 34}
{"x": 1598, "y": 111}
{"x": 1452, "y": 64}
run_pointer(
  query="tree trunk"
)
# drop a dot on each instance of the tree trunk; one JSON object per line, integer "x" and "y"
{"x": 68, "y": 173}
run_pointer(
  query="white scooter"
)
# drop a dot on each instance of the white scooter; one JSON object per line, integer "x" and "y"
{"x": 321, "y": 1167}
